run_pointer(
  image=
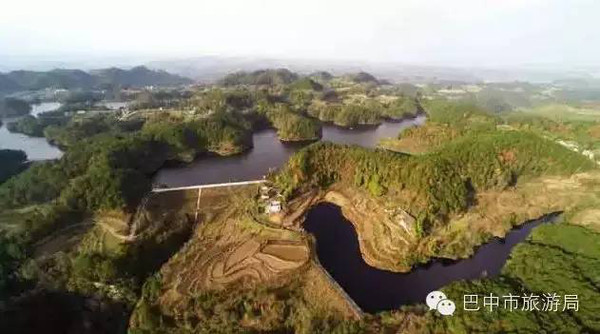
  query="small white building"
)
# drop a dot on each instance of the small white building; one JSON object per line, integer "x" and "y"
{"x": 273, "y": 207}
{"x": 589, "y": 154}
{"x": 571, "y": 145}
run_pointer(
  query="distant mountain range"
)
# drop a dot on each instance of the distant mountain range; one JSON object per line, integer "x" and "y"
{"x": 97, "y": 79}
{"x": 211, "y": 69}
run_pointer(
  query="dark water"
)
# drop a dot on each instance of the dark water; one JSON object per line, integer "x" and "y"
{"x": 268, "y": 152}
{"x": 36, "y": 148}
{"x": 378, "y": 290}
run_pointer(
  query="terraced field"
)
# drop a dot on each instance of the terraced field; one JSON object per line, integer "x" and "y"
{"x": 230, "y": 248}
{"x": 385, "y": 236}
{"x": 248, "y": 262}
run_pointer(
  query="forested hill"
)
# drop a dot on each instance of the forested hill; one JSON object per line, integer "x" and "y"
{"x": 261, "y": 77}
{"x": 72, "y": 79}
{"x": 139, "y": 76}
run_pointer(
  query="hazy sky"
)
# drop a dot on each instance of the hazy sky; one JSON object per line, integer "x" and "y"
{"x": 445, "y": 32}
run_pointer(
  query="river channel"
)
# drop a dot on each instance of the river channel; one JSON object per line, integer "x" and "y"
{"x": 376, "y": 290}
{"x": 35, "y": 148}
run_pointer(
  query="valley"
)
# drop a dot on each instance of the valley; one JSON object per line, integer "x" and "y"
{"x": 367, "y": 186}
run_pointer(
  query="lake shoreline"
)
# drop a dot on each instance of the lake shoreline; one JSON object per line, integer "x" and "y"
{"x": 269, "y": 152}
{"x": 341, "y": 256}
{"x": 36, "y": 148}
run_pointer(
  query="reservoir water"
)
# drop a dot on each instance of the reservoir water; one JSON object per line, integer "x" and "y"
{"x": 35, "y": 148}
{"x": 269, "y": 152}
{"x": 377, "y": 290}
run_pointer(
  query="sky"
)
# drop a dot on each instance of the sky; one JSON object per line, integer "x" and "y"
{"x": 491, "y": 33}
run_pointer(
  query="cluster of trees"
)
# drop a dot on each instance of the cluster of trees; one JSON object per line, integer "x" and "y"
{"x": 39, "y": 183}
{"x": 223, "y": 133}
{"x": 116, "y": 176}
{"x": 110, "y": 275}
{"x": 260, "y": 77}
{"x": 287, "y": 102}
{"x": 103, "y": 172}
{"x": 79, "y": 99}
{"x": 80, "y": 96}
{"x": 65, "y": 131}
{"x": 460, "y": 115}
{"x": 345, "y": 114}
{"x": 280, "y": 77}
{"x": 306, "y": 83}
{"x": 216, "y": 100}
{"x": 79, "y": 128}
{"x": 158, "y": 99}
{"x": 446, "y": 121}
{"x": 367, "y": 111}
{"x": 402, "y": 107}
{"x": 25, "y": 227}
{"x": 428, "y": 185}
{"x": 263, "y": 309}
{"x": 290, "y": 125}
{"x": 113, "y": 273}
{"x": 308, "y": 96}
{"x": 259, "y": 108}
{"x": 29, "y": 125}
{"x": 12, "y": 107}
{"x": 321, "y": 76}
{"x": 497, "y": 159}
{"x": 13, "y": 161}
{"x": 108, "y": 163}
{"x": 35, "y": 126}
{"x": 586, "y": 133}
{"x": 138, "y": 76}
{"x": 362, "y": 77}
{"x": 12, "y": 253}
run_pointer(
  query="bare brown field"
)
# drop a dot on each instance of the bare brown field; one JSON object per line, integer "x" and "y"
{"x": 285, "y": 251}
{"x": 385, "y": 239}
{"x": 589, "y": 218}
{"x": 225, "y": 252}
